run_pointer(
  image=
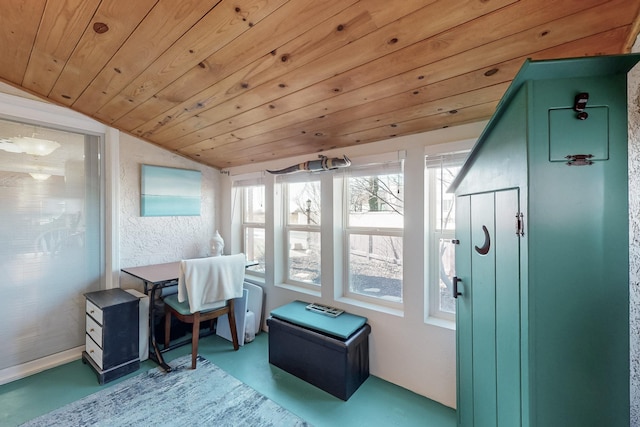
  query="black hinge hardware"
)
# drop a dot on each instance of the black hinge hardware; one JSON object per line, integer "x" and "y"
{"x": 519, "y": 224}
{"x": 580, "y": 104}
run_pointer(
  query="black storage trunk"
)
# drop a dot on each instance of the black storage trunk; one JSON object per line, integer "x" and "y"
{"x": 334, "y": 365}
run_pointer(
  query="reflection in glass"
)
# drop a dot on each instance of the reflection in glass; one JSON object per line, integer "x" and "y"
{"x": 51, "y": 233}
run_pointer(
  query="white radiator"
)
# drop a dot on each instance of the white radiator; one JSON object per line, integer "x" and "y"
{"x": 144, "y": 322}
{"x": 250, "y": 301}
{"x": 254, "y": 304}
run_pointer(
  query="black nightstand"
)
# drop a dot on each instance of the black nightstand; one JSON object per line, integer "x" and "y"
{"x": 112, "y": 331}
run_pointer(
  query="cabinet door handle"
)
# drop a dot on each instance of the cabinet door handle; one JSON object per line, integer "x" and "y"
{"x": 456, "y": 294}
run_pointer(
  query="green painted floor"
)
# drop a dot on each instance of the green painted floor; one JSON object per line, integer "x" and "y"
{"x": 375, "y": 403}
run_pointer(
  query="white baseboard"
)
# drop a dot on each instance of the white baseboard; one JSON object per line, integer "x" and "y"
{"x": 13, "y": 373}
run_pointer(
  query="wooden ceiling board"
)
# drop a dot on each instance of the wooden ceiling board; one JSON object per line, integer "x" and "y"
{"x": 19, "y": 23}
{"x": 305, "y": 84}
{"x": 601, "y": 44}
{"x": 165, "y": 137}
{"x": 269, "y": 33}
{"x": 227, "y": 21}
{"x": 356, "y": 123}
{"x": 101, "y": 39}
{"x": 63, "y": 23}
{"x": 228, "y": 83}
{"x": 275, "y": 29}
{"x": 322, "y": 39}
{"x": 441, "y": 46}
{"x": 312, "y": 145}
{"x": 167, "y": 21}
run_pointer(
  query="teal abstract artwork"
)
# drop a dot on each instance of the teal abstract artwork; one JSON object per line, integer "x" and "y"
{"x": 169, "y": 191}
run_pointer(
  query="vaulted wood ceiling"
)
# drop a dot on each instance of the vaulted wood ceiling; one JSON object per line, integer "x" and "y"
{"x": 228, "y": 83}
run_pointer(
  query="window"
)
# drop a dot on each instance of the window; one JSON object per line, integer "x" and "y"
{"x": 302, "y": 229}
{"x": 253, "y": 226}
{"x": 373, "y": 233}
{"x": 441, "y": 170}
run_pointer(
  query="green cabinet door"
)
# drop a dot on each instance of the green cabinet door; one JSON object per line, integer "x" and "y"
{"x": 488, "y": 310}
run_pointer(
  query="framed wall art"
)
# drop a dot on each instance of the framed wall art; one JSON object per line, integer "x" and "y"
{"x": 169, "y": 191}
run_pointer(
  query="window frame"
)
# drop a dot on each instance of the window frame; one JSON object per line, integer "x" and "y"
{"x": 246, "y": 224}
{"x": 435, "y": 232}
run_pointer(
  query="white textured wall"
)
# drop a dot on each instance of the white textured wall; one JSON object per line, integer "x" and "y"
{"x": 151, "y": 240}
{"x": 634, "y": 236}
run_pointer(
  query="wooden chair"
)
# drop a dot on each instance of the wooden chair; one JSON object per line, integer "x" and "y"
{"x": 182, "y": 310}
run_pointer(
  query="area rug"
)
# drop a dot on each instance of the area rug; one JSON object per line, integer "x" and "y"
{"x": 206, "y": 396}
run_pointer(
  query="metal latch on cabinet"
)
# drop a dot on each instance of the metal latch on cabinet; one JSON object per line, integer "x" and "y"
{"x": 456, "y": 293}
{"x": 579, "y": 159}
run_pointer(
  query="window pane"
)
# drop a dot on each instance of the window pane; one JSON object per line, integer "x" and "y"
{"x": 445, "y": 214}
{"x": 254, "y": 248}
{"x": 376, "y": 201}
{"x": 304, "y": 256}
{"x": 375, "y": 266}
{"x": 254, "y": 204}
{"x": 304, "y": 203}
{"x": 447, "y": 269}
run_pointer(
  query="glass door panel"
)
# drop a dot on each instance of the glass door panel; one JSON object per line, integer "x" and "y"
{"x": 51, "y": 238}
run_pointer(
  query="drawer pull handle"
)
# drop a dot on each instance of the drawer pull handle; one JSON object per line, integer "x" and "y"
{"x": 90, "y": 351}
{"x": 91, "y": 330}
{"x": 91, "y": 312}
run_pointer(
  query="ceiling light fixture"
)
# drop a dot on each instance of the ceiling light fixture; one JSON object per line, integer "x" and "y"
{"x": 29, "y": 145}
{"x": 40, "y": 176}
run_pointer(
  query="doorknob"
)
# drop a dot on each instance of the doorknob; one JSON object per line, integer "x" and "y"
{"x": 455, "y": 286}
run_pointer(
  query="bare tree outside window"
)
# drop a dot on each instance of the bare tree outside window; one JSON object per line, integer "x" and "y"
{"x": 374, "y": 233}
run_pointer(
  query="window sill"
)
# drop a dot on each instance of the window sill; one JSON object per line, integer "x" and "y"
{"x": 299, "y": 289}
{"x": 256, "y": 280}
{"x": 441, "y": 323}
{"x": 372, "y": 307}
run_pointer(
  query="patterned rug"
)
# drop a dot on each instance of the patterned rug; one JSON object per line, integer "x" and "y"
{"x": 206, "y": 396}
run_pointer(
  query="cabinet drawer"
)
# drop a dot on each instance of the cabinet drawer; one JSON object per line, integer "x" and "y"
{"x": 94, "y": 311}
{"x": 94, "y": 330}
{"x": 93, "y": 350}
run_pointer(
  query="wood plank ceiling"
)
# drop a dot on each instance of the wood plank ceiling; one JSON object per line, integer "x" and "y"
{"x": 228, "y": 83}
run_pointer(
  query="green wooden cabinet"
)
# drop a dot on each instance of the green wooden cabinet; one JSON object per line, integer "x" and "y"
{"x": 542, "y": 263}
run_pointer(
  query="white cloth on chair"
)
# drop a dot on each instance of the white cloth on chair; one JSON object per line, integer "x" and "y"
{"x": 206, "y": 282}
